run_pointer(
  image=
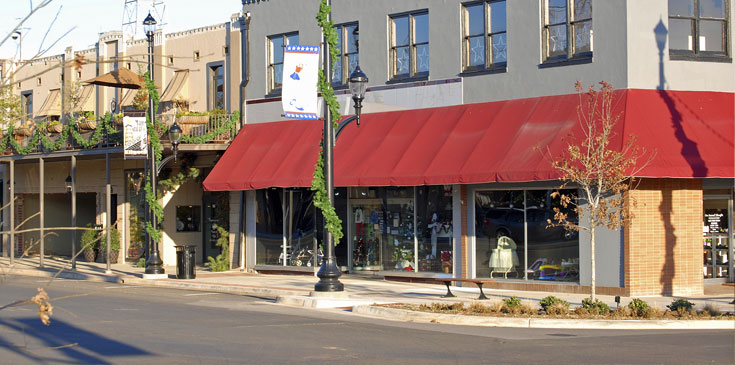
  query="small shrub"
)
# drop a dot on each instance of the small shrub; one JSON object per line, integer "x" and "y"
{"x": 681, "y": 306}
{"x": 89, "y": 238}
{"x": 582, "y": 312}
{"x": 638, "y": 306}
{"x": 712, "y": 310}
{"x": 621, "y": 312}
{"x": 554, "y": 302}
{"x": 558, "y": 308}
{"x": 496, "y": 306}
{"x": 447, "y": 307}
{"x": 141, "y": 262}
{"x": 526, "y": 309}
{"x": 512, "y": 302}
{"x": 652, "y": 312}
{"x": 477, "y": 307}
{"x": 596, "y": 307}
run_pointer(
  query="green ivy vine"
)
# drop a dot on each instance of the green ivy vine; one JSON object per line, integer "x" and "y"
{"x": 318, "y": 184}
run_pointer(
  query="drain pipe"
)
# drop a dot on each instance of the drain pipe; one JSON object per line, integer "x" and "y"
{"x": 245, "y": 78}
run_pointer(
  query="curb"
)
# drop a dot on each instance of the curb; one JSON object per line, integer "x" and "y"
{"x": 229, "y": 289}
{"x": 323, "y": 303}
{"x": 406, "y": 315}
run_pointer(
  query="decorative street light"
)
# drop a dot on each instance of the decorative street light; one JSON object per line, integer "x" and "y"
{"x": 174, "y": 134}
{"x": 329, "y": 272}
{"x": 154, "y": 265}
{"x": 67, "y": 182}
{"x": 358, "y": 85}
{"x": 19, "y": 36}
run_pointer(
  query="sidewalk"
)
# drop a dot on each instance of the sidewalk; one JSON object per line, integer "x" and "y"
{"x": 295, "y": 290}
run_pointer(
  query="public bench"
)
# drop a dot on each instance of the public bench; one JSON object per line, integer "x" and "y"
{"x": 478, "y": 282}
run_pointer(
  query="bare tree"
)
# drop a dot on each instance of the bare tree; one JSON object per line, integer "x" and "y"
{"x": 603, "y": 174}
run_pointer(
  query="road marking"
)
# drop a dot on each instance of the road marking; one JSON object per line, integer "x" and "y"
{"x": 191, "y": 295}
{"x": 118, "y": 287}
{"x": 292, "y": 325}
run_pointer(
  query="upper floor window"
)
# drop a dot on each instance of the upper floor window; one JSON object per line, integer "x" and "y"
{"x": 349, "y": 56}
{"x": 409, "y": 46}
{"x": 698, "y": 27}
{"x": 484, "y": 39}
{"x": 276, "y": 46}
{"x": 216, "y": 85}
{"x": 567, "y": 29}
{"x": 26, "y": 102}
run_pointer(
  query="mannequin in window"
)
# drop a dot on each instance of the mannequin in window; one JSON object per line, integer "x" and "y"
{"x": 504, "y": 258}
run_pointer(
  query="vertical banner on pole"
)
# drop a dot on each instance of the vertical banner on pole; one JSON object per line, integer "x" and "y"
{"x": 300, "y": 76}
{"x": 135, "y": 138}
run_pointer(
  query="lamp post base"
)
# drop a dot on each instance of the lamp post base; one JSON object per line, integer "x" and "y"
{"x": 155, "y": 276}
{"x": 154, "y": 265}
{"x": 329, "y": 277}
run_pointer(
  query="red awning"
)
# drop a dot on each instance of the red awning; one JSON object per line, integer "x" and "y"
{"x": 281, "y": 154}
{"x": 692, "y": 133}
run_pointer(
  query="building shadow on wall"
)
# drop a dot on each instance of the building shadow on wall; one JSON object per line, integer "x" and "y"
{"x": 61, "y": 342}
{"x": 689, "y": 150}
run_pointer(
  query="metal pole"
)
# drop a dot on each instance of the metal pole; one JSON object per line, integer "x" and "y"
{"x": 12, "y": 210}
{"x": 108, "y": 211}
{"x": 329, "y": 272}
{"x": 154, "y": 265}
{"x": 73, "y": 212}
{"x": 40, "y": 208}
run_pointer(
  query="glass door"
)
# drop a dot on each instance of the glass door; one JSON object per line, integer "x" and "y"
{"x": 716, "y": 233}
{"x": 366, "y": 227}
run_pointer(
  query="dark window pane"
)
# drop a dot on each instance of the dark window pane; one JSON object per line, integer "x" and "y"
{"x": 400, "y": 29}
{"x": 681, "y": 7}
{"x": 337, "y": 71}
{"x": 711, "y": 35}
{"x": 353, "y": 61}
{"x": 351, "y": 39}
{"x": 269, "y": 227}
{"x": 557, "y": 40}
{"x": 422, "y": 58}
{"x": 680, "y": 34}
{"x": 277, "y": 75}
{"x": 557, "y": 11}
{"x": 277, "y": 49}
{"x": 476, "y": 51}
{"x": 421, "y": 28}
{"x": 475, "y": 19}
{"x": 339, "y": 40}
{"x": 292, "y": 39}
{"x": 402, "y": 61}
{"x": 497, "y": 17}
{"x": 500, "y": 48}
{"x": 582, "y": 9}
{"x": 712, "y": 8}
{"x": 583, "y": 37}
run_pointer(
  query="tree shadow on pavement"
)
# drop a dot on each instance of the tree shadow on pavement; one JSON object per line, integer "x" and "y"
{"x": 60, "y": 342}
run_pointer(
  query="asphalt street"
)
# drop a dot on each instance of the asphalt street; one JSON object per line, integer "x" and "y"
{"x": 111, "y": 323}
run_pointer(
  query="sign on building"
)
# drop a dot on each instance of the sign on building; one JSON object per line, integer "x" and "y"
{"x": 135, "y": 137}
{"x": 300, "y": 76}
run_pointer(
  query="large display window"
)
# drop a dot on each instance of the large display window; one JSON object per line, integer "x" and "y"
{"x": 286, "y": 228}
{"x": 402, "y": 229}
{"x": 512, "y": 225}
{"x": 716, "y": 234}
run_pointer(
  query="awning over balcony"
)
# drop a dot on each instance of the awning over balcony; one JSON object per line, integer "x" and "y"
{"x": 178, "y": 87}
{"x": 52, "y": 105}
{"x": 128, "y": 98}
{"x": 86, "y": 100}
{"x": 692, "y": 133}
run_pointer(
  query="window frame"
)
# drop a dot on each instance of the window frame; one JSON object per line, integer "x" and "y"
{"x": 271, "y": 65}
{"x": 488, "y": 64}
{"x": 212, "y": 84}
{"x": 695, "y": 54}
{"x": 26, "y": 103}
{"x": 342, "y": 30}
{"x": 571, "y": 21}
{"x": 413, "y": 74}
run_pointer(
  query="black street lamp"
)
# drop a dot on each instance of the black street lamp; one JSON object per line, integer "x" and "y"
{"x": 154, "y": 265}
{"x": 329, "y": 272}
{"x": 174, "y": 134}
{"x": 67, "y": 184}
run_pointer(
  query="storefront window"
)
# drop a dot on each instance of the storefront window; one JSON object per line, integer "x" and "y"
{"x": 269, "y": 227}
{"x": 367, "y": 224}
{"x": 502, "y": 220}
{"x": 301, "y": 249}
{"x": 716, "y": 234}
{"x": 399, "y": 251}
{"x": 188, "y": 218}
{"x": 434, "y": 228}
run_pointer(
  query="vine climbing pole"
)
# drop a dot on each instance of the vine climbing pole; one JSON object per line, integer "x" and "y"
{"x": 329, "y": 272}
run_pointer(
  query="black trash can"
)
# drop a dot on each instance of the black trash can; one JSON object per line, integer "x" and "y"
{"x": 185, "y": 262}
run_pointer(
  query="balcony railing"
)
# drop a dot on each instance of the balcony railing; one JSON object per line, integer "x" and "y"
{"x": 210, "y": 129}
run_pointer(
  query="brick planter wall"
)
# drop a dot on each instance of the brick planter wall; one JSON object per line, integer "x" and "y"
{"x": 663, "y": 241}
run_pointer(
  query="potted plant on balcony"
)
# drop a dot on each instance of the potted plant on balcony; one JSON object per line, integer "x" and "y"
{"x": 87, "y": 121}
{"x": 54, "y": 126}
{"x": 23, "y": 130}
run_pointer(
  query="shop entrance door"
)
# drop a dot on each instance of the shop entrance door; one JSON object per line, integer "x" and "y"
{"x": 717, "y": 235}
{"x": 366, "y": 229}
{"x": 216, "y": 214}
